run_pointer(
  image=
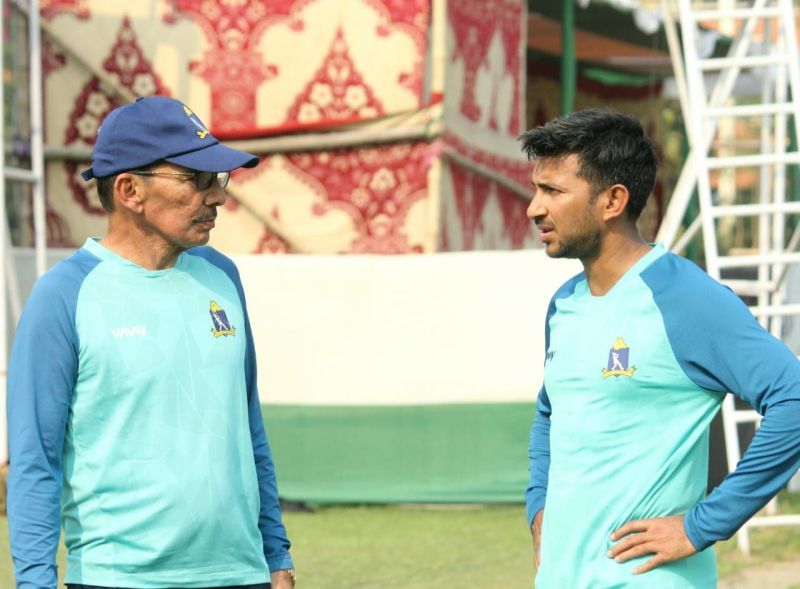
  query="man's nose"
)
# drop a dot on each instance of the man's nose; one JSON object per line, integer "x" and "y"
{"x": 216, "y": 196}
{"x": 535, "y": 209}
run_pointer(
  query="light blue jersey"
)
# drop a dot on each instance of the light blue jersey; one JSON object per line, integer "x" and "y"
{"x": 632, "y": 381}
{"x": 133, "y": 411}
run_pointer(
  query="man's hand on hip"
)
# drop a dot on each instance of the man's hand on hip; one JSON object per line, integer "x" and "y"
{"x": 281, "y": 580}
{"x": 536, "y": 530}
{"x": 663, "y": 537}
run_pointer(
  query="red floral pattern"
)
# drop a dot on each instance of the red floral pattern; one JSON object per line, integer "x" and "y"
{"x": 337, "y": 92}
{"x": 470, "y": 193}
{"x": 517, "y": 171}
{"x": 58, "y": 233}
{"x": 376, "y": 187}
{"x": 473, "y": 33}
{"x": 127, "y": 63}
{"x": 232, "y": 66}
{"x": 271, "y": 244}
{"x": 413, "y": 18}
{"x": 51, "y": 8}
{"x": 517, "y": 227}
{"x": 52, "y": 59}
{"x": 91, "y": 106}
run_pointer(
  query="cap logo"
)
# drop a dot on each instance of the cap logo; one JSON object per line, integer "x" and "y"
{"x": 203, "y": 131}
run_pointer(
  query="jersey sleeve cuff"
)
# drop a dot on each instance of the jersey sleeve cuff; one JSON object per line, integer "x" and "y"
{"x": 693, "y": 533}
{"x": 35, "y": 575}
{"x": 279, "y": 562}
{"x": 533, "y": 505}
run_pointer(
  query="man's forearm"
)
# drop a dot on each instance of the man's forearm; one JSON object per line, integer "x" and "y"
{"x": 539, "y": 455}
{"x": 771, "y": 459}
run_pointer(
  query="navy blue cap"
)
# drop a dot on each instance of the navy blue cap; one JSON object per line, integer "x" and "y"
{"x": 156, "y": 128}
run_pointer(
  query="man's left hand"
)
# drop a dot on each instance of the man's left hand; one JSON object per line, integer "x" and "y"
{"x": 663, "y": 537}
{"x": 281, "y": 580}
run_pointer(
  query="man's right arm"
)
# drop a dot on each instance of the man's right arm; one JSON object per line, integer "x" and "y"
{"x": 539, "y": 456}
{"x": 41, "y": 377}
{"x": 539, "y": 445}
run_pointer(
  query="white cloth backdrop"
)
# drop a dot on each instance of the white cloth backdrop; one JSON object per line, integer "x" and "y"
{"x": 397, "y": 330}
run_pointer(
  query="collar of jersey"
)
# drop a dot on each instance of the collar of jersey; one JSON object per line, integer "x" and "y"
{"x": 94, "y": 246}
{"x": 656, "y": 252}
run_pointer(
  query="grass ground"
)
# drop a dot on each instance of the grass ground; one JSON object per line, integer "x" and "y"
{"x": 421, "y": 548}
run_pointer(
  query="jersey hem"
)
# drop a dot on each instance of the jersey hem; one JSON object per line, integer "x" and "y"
{"x": 176, "y": 579}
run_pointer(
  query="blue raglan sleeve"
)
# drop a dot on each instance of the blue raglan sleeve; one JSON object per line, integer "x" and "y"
{"x": 539, "y": 456}
{"x": 41, "y": 377}
{"x": 721, "y": 347}
{"x": 273, "y": 532}
{"x": 539, "y": 445}
{"x": 276, "y": 542}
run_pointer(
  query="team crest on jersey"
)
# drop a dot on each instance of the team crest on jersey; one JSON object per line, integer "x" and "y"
{"x": 618, "y": 358}
{"x": 222, "y": 326}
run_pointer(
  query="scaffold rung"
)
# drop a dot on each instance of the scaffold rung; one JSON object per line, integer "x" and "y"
{"x": 751, "y": 210}
{"x": 19, "y": 174}
{"x": 749, "y": 287}
{"x": 721, "y": 63}
{"x": 752, "y": 160}
{"x": 766, "y": 521}
{"x": 750, "y": 110}
{"x": 746, "y": 416}
{"x": 776, "y": 310}
{"x": 746, "y": 261}
{"x": 736, "y": 13}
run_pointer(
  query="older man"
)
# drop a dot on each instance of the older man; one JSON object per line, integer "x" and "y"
{"x": 134, "y": 416}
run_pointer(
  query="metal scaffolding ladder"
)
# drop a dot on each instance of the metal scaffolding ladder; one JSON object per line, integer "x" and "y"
{"x": 764, "y": 50}
{"x": 9, "y": 291}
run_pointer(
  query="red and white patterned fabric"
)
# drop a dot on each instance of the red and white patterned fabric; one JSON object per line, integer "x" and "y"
{"x": 484, "y": 113}
{"x": 365, "y": 200}
{"x": 479, "y": 214}
{"x": 257, "y": 69}
{"x": 287, "y": 64}
{"x": 488, "y": 42}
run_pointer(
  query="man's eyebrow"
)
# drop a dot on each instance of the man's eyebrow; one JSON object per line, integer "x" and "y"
{"x": 546, "y": 185}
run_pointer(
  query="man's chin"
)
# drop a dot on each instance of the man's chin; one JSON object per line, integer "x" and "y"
{"x": 195, "y": 241}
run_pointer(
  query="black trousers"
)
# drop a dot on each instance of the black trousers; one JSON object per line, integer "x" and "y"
{"x": 257, "y": 586}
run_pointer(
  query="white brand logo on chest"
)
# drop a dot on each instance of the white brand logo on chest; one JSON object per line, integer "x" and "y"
{"x": 134, "y": 331}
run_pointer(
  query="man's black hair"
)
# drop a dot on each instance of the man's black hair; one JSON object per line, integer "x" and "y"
{"x": 611, "y": 146}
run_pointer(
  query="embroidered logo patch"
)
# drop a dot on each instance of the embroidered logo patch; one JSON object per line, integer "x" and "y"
{"x": 220, "y": 320}
{"x": 618, "y": 358}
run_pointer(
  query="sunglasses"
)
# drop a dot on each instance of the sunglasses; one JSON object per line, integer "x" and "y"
{"x": 202, "y": 180}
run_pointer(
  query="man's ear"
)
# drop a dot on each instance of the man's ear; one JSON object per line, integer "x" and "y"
{"x": 129, "y": 192}
{"x": 616, "y": 201}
